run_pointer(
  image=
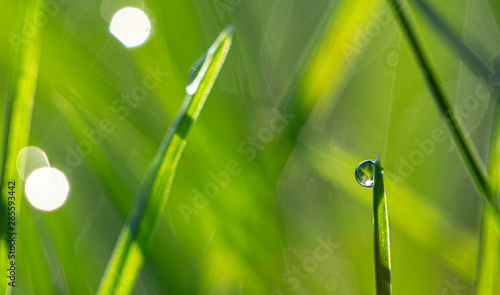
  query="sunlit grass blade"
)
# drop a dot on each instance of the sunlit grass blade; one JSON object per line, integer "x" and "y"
{"x": 381, "y": 241}
{"x": 18, "y": 116}
{"x": 128, "y": 256}
{"x": 466, "y": 149}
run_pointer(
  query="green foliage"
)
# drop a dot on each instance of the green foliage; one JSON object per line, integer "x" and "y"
{"x": 309, "y": 89}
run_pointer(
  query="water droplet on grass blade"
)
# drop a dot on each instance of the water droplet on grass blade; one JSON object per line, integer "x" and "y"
{"x": 200, "y": 66}
{"x": 196, "y": 73}
{"x": 364, "y": 173}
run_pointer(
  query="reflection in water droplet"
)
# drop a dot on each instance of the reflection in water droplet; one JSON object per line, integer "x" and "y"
{"x": 131, "y": 26}
{"x": 47, "y": 189}
{"x": 29, "y": 159}
{"x": 364, "y": 173}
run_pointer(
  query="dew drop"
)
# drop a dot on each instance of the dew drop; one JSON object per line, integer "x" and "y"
{"x": 194, "y": 77}
{"x": 364, "y": 173}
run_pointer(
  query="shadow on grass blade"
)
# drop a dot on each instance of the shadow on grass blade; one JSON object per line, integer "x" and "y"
{"x": 128, "y": 256}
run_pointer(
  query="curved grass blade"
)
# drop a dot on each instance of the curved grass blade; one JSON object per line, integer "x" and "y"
{"x": 19, "y": 111}
{"x": 128, "y": 256}
{"x": 466, "y": 150}
{"x": 381, "y": 242}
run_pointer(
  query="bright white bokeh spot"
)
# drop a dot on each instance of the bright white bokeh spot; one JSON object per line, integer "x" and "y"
{"x": 29, "y": 159}
{"x": 131, "y": 26}
{"x": 47, "y": 189}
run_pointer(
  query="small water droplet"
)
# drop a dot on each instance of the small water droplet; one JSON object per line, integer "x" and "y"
{"x": 364, "y": 173}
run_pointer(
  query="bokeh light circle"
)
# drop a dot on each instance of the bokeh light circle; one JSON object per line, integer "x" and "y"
{"x": 131, "y": 26}
{"x": 47, "y": 189}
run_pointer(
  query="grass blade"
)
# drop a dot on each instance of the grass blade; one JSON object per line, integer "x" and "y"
{"x": 488, "y": 271}
{"x": 128, "y": 256}
{"x": 18, "y": 116}
{"x": 381, "y": 242}
{"x": 466, "y": 150}
{"x": 489, "y": 256}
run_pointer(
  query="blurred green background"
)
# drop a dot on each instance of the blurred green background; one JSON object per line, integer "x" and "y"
{"x": 345, "y": 78}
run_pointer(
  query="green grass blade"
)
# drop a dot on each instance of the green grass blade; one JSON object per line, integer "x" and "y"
{"x": 381, "y": 242}
{"x": 128, "y": 256}
{"x": 18, "y": 124}
{"x": 488, "y": 271}
{"x": 466, "y": 150}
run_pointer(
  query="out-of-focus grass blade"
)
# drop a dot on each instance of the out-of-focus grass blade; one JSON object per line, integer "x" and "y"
{"x": 128, "y": 256}
{"x": 488, "y": 272}
{"x": 18, "y": 115}
{"x": 381, "y": 242}
{"x": 466, "y": 149}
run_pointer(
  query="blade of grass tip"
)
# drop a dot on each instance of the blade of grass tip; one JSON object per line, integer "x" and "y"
{"x": 466, "y": 150}
{"x": 128, "y": 256}
{"x": 381, "y": 242}
{"x": 470, "y": 58}
{"x": 18, "y": 116}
